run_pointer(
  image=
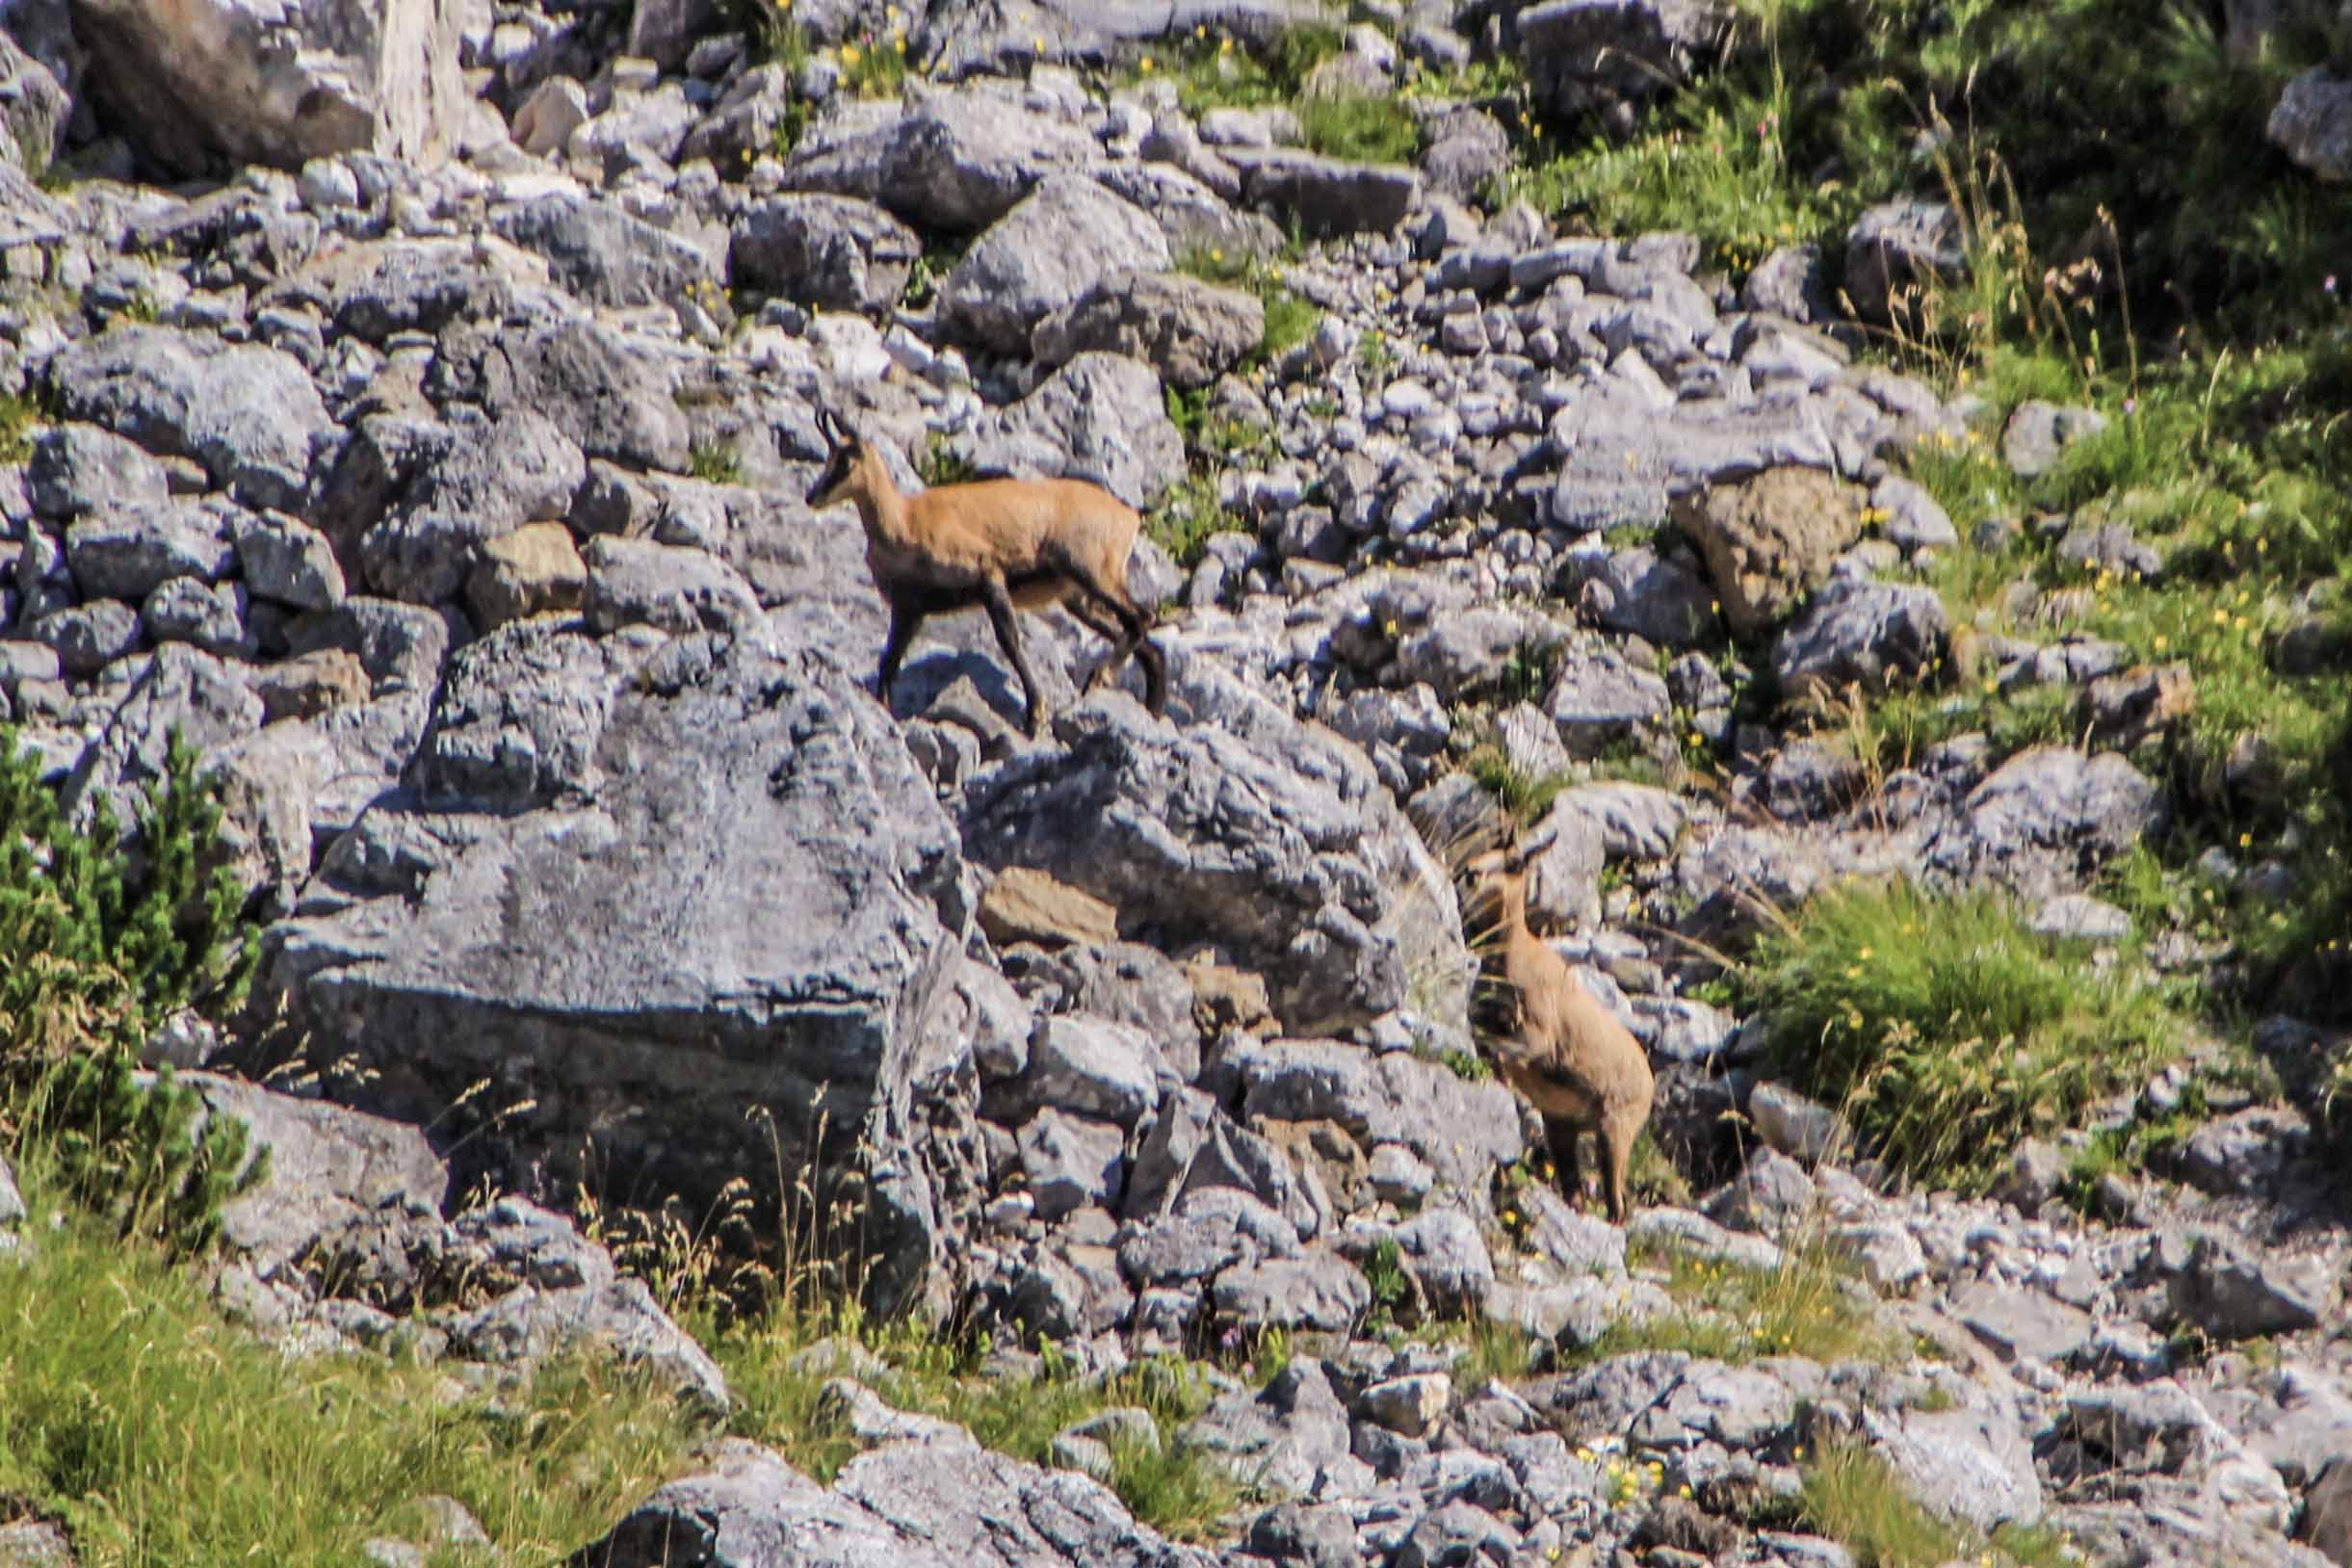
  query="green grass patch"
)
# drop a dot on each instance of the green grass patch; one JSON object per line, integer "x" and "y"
{"x": 1807, "y": 1306}
{"x": 1945, "y": 1029}
{"x": 1855, "y": 1497}
{"x": 1360, "y": 127}
{"x": 1523, "y": 798}
{"x": 1214, "y": 70}
{"x": 162, "y": 1433}
{"x": 19, "y": 416}
{"x": 715, "y": 462}
{"x": 931, "y": 271}
{"x": 939, "y": 462}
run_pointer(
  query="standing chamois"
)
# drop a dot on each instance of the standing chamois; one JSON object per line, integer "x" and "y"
{"x": 998, "y": 543}
{"x": 1580, "y": 1069}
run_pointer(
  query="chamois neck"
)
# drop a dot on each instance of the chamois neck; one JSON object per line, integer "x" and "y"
{"x": 879, "y": 505}
{"x": 1511, "y": 898}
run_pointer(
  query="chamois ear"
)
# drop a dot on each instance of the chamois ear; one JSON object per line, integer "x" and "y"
{"x": 1517, "y": 857}
{"x": 830, "y": 427}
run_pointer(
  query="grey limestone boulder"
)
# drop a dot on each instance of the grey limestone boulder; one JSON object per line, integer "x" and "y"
{"x": 82, "y": 468}
{"x": 2047, "y": 820}
{"x": 832, "y": 251}
{"x": 127, "y": 552}
{"x": 1284, "y": 852}
{"x": 34, "y": 107}
{"x": 2312, "y": 124}
{"x": 210, "y": 615}
{"x": 1587, "y": 55}
{"x": 925, "y": 1495}
{"x": 568, "y": 1294}
{"x": 221, "y": 82}
{"x": 2038, "y": 434}
{"x": 1189, "y": 330}
{"x": 1102, "y": 417}
{"x": 1870, "y": 635}
{"x": 672, "y": 588}
{"x": 483, "y": 478}
{"x": 1973, "y": 1464}
{"x": 955, "y": 159}
{"x": 329, "y": 1166}
{"x": 250, "y": 414}
{"x": 1326, "y": 196}
{"x": 610, "y": 257}
{"x": 746, "y": 898}
{"x": 609, "y": 396}
{"x": 88, "y": 637}
{"x": 285, "y": 559}
{"x": 1064, "y": 238}
{"x": 1894, "y": 248}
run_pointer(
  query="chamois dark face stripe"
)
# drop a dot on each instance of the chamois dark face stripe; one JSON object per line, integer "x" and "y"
{"x": 836, "y": 474}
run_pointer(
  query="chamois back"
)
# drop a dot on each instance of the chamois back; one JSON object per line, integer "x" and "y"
{"x": 1000, "y": 544}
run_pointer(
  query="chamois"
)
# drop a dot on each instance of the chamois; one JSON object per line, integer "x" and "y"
{"x": 1580, "y": 1069}
{"x": 998, "y": 543}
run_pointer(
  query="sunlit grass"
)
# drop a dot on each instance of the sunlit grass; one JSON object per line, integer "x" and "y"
{"x": 163, "y": 1433}
{"x": 1945, "y": 1029}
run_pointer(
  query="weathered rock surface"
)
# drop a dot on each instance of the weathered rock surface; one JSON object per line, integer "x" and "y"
{"x": 202, "y": 84}
{"x": 1769, "y": 542}
{"x": 786, "y": 953}
{"x": 1202, "y": 835}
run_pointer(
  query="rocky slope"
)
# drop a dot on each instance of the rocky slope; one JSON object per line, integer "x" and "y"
{"x": 439, "y": 474}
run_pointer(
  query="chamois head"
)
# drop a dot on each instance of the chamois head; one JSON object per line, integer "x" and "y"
{"x": 849, "y": 450}
{"x": 1497, "y": 882}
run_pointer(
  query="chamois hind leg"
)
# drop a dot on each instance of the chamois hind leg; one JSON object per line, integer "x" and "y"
{"x": 903, "y": 621}
{"x": 1103, "y": 626}
{"x": 999, "y": 605}
{"x": 1617, "y": 1136}
{"x": 1136, "y": 639}
{"x": 1561, "y": 1135}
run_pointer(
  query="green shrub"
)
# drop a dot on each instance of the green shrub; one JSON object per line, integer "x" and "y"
{"x": 1945, "y": 1028}
{"x": 93, "y": 957}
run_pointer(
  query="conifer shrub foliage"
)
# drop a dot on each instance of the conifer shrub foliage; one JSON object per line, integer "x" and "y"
{"x": 96, "y": 949}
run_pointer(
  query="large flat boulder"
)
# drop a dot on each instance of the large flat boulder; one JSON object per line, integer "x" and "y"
{"x": 649, "y": 913}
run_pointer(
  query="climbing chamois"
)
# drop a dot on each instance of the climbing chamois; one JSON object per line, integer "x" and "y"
{"x": 998, "y": 543}
{"x": 1580, "y": 1069}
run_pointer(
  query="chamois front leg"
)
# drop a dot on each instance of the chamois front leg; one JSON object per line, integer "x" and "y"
{"x": 903, "y": 620}
{"x": 999, "y": 605}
